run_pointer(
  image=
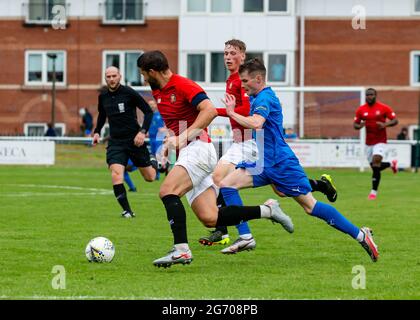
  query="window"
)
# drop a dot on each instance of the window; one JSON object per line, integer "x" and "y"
{"x": 253, "y": 5}
{"x": 219, "y": 72}
{"x": 265, "y": 6}
{"x": 252, "y": 55}
{"x": 196, "y": 5}
{"x": 209, "y": 6}
{"x": 196, "y": 67}
{"x": 276, "y": 67}
{"x": 221, "y": 6}
{"x": 277, "y": 5}
{"x": 415, "y": 68}
{"x": 41, "y": 11}
{"x": 123, "y": 11}
{"x": 39, "y": 67}
{"x": 417, "y": 6}
{"x": 38, "y": 129}
{"x": 126, "y": 61}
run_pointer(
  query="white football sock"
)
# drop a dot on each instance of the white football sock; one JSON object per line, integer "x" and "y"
{"x": 265, "y": 211}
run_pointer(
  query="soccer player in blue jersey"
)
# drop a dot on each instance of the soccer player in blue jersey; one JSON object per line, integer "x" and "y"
{"x": 279, "y": 166}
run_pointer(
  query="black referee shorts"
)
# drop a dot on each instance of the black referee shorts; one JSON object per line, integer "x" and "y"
{"x": 119, "y": 151}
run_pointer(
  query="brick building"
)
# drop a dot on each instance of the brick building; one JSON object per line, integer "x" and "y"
{"x": 96, "y": 34}
{"x": 385, "y": 55}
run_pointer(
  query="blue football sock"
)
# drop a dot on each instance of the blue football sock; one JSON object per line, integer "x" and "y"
{"x": 232, "y": 198}
{"x": 128, "y": 180}
{"x": 334, "y": 218}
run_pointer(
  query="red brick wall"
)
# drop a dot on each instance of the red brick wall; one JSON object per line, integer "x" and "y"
{"x": 84, "y": 42}
{"x": 337, "y": 55}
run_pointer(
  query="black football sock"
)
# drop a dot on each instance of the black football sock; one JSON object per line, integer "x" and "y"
{"x": 376, "y": 178}
{"x": 385, "y": 165}
{"x": 177, "y": 217}
{"x": 220, "y": 204}
{"x": 121, "y": 195}
{"x": 154, "y": 164}
{"x": 233, "y": 215}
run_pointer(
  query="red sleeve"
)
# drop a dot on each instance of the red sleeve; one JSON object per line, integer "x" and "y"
{"x": 189, "y": 89}
{"x": 221, "y": 112}
{"x": 389, "y": 113}
{"x": 244, "y": 108}
{"x": 358, "y": 117}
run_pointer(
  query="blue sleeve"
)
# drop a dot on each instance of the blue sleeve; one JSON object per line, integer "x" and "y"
{"x": 262, "y": 108}
{"x": 161, "y": 123}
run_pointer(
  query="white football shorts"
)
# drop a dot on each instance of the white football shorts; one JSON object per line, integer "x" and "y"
{"x": 376, "y": 149}
{"x": 199, "y": 159}
{"x": 241, "y": 151}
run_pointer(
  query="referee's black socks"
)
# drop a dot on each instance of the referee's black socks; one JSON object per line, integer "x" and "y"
{"x": 121, "y": 195}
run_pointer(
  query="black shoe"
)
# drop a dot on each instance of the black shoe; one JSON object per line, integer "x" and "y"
{"x": 331, "y": 191}
{"x": 215, "y": 237}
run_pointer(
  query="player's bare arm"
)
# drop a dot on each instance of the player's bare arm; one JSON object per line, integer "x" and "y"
{"x": 139, "y": 139}
{"x": 96, "y": 139}
{"x": 251, "y": 122}
{"x": 204, "y": 118}
{"x": 390, "y": 123}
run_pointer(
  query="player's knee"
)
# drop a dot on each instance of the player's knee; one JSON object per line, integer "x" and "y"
{"x": 149, "y": 178}
{"x": 308, "y": 210}
{"x": 117, "y": 176}
{"x": 225, "y": 184}
{"x": 166, "y": 189}
{"x": 217, "y": 179}
{"x": 209, "y": 222}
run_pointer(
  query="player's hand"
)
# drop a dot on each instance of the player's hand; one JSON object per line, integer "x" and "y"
{"x": 139, "y": 139}
{"x": 96, "y": 139}
{"x": 381, "y": 125}
{"x": 362, "y": 124}
{"x": 230, "y": 103}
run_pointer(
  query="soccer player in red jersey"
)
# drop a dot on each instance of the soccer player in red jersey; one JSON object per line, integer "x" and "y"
{"x": 243, "y": 148}
{"x": 373, "y": 115}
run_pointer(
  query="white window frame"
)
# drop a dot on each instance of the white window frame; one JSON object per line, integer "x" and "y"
{"x": 413, "y": 54}
{"x": 118, "y": 22}
{"x": 288, "y": 68}
{"x": 28, "y": 20}
{"x": 44, "y": 69}
{"x": 267, "y": 12}
{"x": 27, "y": 125}
{"x": 413, "y": 8}
{"x": 122, "y": 63}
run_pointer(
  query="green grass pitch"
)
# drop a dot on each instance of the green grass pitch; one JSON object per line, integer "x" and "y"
{"x": 48, "y": 215}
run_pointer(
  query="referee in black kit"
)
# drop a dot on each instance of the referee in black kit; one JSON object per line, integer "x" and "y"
{"x": 119, "y": 104}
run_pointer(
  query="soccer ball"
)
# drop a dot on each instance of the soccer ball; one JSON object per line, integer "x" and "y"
{"x": 100, "y": 249}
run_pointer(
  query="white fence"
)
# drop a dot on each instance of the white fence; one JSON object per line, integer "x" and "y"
{"x": 342, "y": 153}
{"x": 27, "y": 152}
